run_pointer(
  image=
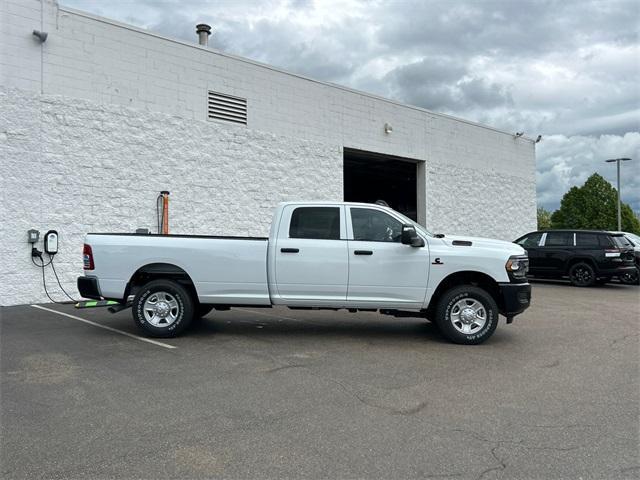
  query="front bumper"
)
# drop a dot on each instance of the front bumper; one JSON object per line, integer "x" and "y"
{"x": 88, "y": 288}
{"x": 515, "y": 298}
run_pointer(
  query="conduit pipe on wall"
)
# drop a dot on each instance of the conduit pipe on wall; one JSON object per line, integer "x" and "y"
{"x": 163, "y": 215}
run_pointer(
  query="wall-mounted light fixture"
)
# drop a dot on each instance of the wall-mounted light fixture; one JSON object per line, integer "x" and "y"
{"x": 42, "y": 36}
{"x": 388, "y": 128}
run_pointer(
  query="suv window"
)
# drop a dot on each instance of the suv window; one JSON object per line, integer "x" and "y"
{"x": 532, "y": 240}
{"x": 559, "y": 239}
{"x": 587, "y": 239}
{"x": 375, "y": 226}
{"x": 322, "y": 223}
{"x": 605, "y": 241}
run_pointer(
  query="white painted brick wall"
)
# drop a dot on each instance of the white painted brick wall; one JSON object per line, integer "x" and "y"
{"x": 77, "y": 167}
{"x": 20, "y": 52}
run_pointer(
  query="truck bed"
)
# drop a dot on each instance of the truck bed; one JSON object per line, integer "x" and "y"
{"x": 223, "y": 269}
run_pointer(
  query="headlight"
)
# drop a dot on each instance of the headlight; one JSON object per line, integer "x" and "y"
{"x": 517, "y": 266}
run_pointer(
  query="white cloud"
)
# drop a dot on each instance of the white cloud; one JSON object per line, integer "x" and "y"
{"x": 564, "y": 162}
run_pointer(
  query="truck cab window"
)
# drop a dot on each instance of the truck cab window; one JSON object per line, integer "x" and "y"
{"x": 375, "y": 226}
{"x": 320, "y": 223}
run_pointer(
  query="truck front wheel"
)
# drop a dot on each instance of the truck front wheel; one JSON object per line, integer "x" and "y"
{"x": 467, "y": 315}
{"x": 163, "y": 308}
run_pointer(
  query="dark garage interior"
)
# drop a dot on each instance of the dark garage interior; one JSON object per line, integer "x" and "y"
{"x": 372, "y": 176}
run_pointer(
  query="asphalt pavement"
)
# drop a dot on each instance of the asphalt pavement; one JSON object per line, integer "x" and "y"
{"x": 273, "y": 393}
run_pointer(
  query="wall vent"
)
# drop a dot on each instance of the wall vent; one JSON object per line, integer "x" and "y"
{"x": 227, "y": 108}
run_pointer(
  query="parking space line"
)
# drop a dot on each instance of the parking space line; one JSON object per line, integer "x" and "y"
{"x": 142, "y": 339}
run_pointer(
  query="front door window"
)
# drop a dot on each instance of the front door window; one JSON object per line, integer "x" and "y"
{"x": 375, "y": 226}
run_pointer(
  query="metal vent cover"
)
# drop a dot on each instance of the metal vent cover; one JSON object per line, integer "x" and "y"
{"x": 225, "y": 107}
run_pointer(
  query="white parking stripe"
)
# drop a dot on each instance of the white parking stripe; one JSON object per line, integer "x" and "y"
{"x": 142, "y": 339}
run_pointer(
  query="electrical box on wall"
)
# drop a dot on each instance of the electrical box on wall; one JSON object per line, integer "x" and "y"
{"x": 33, "y": 236}
{"x": 51, "y": 242}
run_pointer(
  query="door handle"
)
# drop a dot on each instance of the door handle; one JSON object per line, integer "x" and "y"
{"x": 363, "y": 252}
{"x": 289, "y": 250}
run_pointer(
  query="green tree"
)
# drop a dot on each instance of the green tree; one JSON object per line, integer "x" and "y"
{"x": 544, "y": 219}
{"x": 594, "y": 206}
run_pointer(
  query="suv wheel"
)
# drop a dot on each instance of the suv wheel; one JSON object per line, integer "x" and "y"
{"x": 630, "y": 278}
{"x": 163, "y": 308}
{"x": 467, "y": 315}
{"x": 582, "y": 275}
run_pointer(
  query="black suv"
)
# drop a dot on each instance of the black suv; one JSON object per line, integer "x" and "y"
{"x": 585, "y": 256}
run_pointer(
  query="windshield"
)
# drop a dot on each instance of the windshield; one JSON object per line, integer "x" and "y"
{"x": 419, "y": 227}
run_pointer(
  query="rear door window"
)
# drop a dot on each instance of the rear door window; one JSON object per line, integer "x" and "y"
{"x": 559, "y": 239}
{"x": 321, "y": 223}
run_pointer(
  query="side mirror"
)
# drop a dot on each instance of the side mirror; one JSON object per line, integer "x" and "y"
{"x": 410, "y": 236}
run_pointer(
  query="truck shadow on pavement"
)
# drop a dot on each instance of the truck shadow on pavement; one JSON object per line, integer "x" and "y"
{"x": 405, "y": 329}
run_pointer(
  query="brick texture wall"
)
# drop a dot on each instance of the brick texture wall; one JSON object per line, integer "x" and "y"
{"x": 77, "y": 167}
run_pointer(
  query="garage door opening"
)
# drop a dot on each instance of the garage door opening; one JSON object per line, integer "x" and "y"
{"x": 369, "y": 177}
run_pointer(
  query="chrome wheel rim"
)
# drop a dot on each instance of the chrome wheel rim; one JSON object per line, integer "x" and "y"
{"x": 468, "y": 316}
{"x": 161, "y": 309}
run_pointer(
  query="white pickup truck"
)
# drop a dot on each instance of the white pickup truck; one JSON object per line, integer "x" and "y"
{"x": 319, "y": 255}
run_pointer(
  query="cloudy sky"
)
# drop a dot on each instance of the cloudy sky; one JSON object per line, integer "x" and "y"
{"x": 569, "y": 70}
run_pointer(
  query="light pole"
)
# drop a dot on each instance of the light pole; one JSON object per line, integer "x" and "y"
{"x": 618, "y": 160}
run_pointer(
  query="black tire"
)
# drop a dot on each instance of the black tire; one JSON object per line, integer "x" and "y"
{"x": 183, "y": 309}
{"x": 632, "y": 278}
{"x": 582, "y": 275}
{"x": 202, "y": 310}
{"x": 449, "y": 302}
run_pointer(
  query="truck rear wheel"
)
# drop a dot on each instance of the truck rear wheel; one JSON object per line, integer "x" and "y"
{"x": 163, "y": 308}
{"x": 467, "y": 315}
